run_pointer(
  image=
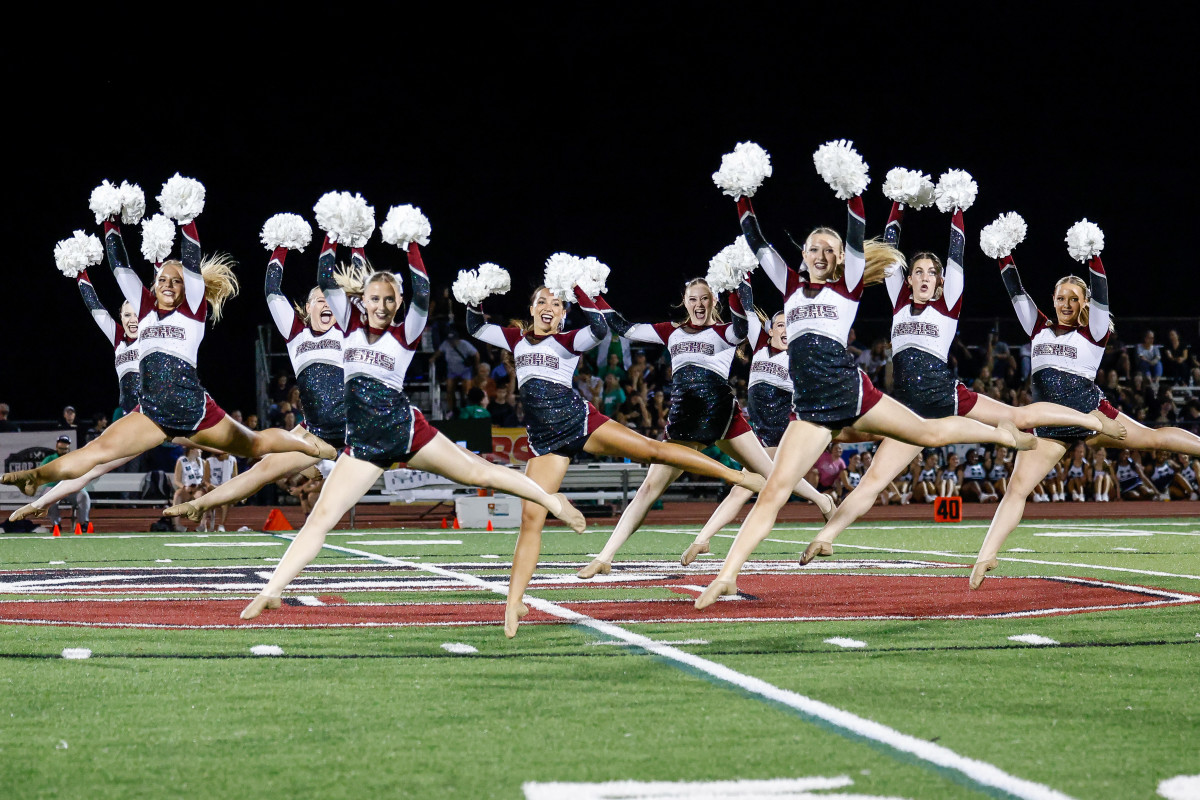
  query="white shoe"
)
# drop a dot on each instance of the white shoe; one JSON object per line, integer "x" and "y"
{"x": 221, "y": 527}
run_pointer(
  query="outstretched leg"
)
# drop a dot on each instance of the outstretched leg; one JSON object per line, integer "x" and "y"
{"x": 1139, "y": 437}
{"x": 614, "y": 439}
{"x": 748, "y": 450}
{"x": 270, "y": 469}
{"x": 547, "y": 472}
{"x": 236, "y": 439}
{"x": 1029, "y": 469}
{"x": 890, "y": 418}
{"x": 65, "y": 489}
{"x": 993, "y": 412}
{"x": 891, "y": 459}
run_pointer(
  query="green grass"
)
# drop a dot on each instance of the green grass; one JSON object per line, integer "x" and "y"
{"x": 1109, "y": 712}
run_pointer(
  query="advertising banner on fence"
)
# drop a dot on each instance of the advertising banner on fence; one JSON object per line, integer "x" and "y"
{"x": 511, "y": 443}
{"x": 26, "y": 450}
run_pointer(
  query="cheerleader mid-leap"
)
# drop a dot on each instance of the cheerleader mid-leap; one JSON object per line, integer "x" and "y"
{"x": 171, "y": 322}
{"x": 1066, "y": 354}
{"x": 314, "y": 345}
{"x": 383, "y": 427}
{"x": 820, "y": 304}
{"x": 926, "y": 302}
{"x": 560, "y": 423}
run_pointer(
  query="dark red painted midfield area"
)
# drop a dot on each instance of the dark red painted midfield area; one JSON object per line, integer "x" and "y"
{"x": 762, "y": 598}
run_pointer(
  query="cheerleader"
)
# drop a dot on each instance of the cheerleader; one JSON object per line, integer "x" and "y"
{"x": 829, "y": 391}
{"x": 171, "y": 321}
{"x": 1065, "y": 356}
{"x": 562, "y": 424}
{"x": 951, "y": 480}
{"x": 314, "y": 346}
{"x": 191, "y": 477}
{"x": 382, "y": 426}
{"x": 925, "y": 488}
{"x": 975, "y": 484}
{"x": 1131, "y": 479}
{"x": 221, "y": 470}
{"x": 1076, "y": 469}
{"x": 1188, "y": 472}
{"x": 1166, "y": 479}
{"x": 926, "y": 305}
{"x": 769, "y": 401}
{"x": 1103, "y": 479}
{"x": 999, "y": 465}
{"x": 703, "y": 410}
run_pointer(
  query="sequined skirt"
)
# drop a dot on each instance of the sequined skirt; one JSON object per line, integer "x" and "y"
{"x": 171, "y": 394}
{"x": 702, "y": 406}
{"x": 827, "y": 387}
{"x": 323, "y": 395}
{"x": 924, "y": 383}
{"x": 381, "y": 424}
{"x": 556, "y": 417}
{"x": 131, "y": 391}
{"x": 770, "y": 410}
{"x": 1066, "y": 389}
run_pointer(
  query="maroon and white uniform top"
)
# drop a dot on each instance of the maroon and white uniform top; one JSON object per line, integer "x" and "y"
{"x": 932, "y": 329}
{"x": 711, "y": 348}
{"x": 125, "y": 350}
{"x": 768, "y": 365}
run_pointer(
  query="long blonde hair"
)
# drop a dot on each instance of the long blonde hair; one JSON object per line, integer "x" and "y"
{"x": 714, "y": 315}
{"x": 220, "y": 284}
{"x": 354, "y": 280}
{"x": 302, "y": 310}
{"x": 1085, "y": 309}
{"x": 881, "y": 257}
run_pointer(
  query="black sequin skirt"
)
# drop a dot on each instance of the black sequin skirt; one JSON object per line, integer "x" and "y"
{"x": 131, "y": 391}
{"x": 924, "y": 383}
{"x": 556, "y": 418}
{"x": 323, "y": 395}
{"x": 171, "y": 394}
{"x": 381, "y": 425}
{"x": 702, "y": 406}
{"x": 770, "y": 411}
{"x": 1066, "y": 389}
{"x": 827, "y": 387}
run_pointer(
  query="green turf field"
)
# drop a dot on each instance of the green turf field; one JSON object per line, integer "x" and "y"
{"x": 871, "y": 674}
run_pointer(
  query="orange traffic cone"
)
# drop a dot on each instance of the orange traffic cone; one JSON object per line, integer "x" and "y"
{"x": 56, "y": 533}
{"x": 457, "y": 527}
{"x": 489, "y": 527}
{"x": 277, "y": 522}
{"x": 90, "y": 529}
{"x": 444, "y": 524}
{"x": 78, "y": 530}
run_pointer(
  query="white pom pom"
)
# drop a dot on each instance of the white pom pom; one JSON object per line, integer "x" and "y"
{"x": 591, "y": 276}
{"x": 406, "y": 224}
{"x": 74, "y": 255}
{"x": 840, "y": 165}
{"x": 346, "y": 218}
{"x": 561, "y": 271}
{"x": 158, "y": 237}
{"x": 133, "y": 203}
{"x": 743, "y": 171}
{"x": 1000, "y": 237}
{"x": 105, "y": 201}
{"x": 911, "y": 187}
{"x": 472, "y": 287}
{"x": 286, "y": 230}
{"x": 182, "y": 199}
{"x": 1085, "y": 240}
{"x": 956, "y": 189}
{"x": 727, "y": 268}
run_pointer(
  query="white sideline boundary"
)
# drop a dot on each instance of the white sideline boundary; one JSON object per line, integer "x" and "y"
{"x": 977, "y": 772}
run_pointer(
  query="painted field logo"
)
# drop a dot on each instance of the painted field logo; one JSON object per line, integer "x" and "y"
{"x": 376, "y": 595}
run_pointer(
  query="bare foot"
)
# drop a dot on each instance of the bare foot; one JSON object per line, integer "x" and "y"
{"x": 1109, "y": 427}
{"x": 816, "y": 548}
{"x": 258, "y": 604}
{"x": 513, "y": 612}
{"x": 26, "y": 511}
{"x": 570, "y": 514}
{"x": 694, "y": 549}
{"x": 752, "y": 481}
{"x": 980, "y": 571}
{"x": 721, "y": 587}
{"x": 597, "y": 567}
{"x": 185, "y": 510}
{"x": 26, "y": 480}
{"x": 1021, "y": 439}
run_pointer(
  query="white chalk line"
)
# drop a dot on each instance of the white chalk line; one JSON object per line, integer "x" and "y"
{"x": 978, "y": 772}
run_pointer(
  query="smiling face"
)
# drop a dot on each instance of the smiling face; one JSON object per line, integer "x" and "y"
{"x": 699, "y": 303}
{"x": 925, "y": 278}
{"x": 778, "y": 331}
{"x": 823, "y": 255}
{"x": 168, "y": 286}
{"x": 1069, "y": 300}
{"x": 129, "y": 320}
{"x": 547, "y": 312}
{"x": 320, "y": 315}
{"x": 381, "y": 302}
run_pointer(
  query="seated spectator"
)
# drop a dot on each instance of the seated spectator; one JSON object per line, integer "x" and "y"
{"x": 1143, "y": 392}
{"x": 612, "y": 367}
{"x": 6, "y": 425}
{"x": 1189, "y": 420}
{"x": 590, "y": 387}
{"x": 641, "y": 371}
{"x": 612, "y": 397}
{"x": 98, "y": 426}
{"x": 635, "y": 412}
{"x": 1175, "y": 357}
{"x": 874, "y": 360}
{"x": 476, "y": 407}
{"x": 502, "y": 409}
{"x": 252, "y": 421}
{"x": 483, "y": 380}
{"x": 67, "y": 421}
{"x": 828, "y": 474}
{"x": 1149, "y": 357}
{"x": 277, "y": 414}
{"x": 81, "y": 501}
{"x": 280, "y": 388}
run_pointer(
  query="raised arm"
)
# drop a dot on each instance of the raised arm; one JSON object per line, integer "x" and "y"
{"x": 581, "y": 340}
{"x": 335, "y": 295}
{"x": 952, "y": 281}
{"x": 484, "y": 331}
{"x": 118, "y": 261}
{"x": 418, "y": 303}
{"x": 653, "y": 333}
{"x": 1028, "y": 315}
{"x": 856, "y": 260}
{"x": 739, "y": 301}
{"x": 785, "y": 278}
{"x": 103, "y": 319}
{"x": 1098, "y": 317}
{"x": 286, "y": 319}
{"x": 193, "y": 281}
{"x": 894, "y": 280}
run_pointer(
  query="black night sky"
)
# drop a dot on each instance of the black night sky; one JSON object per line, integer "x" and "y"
{"x": 595, "y": 130}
